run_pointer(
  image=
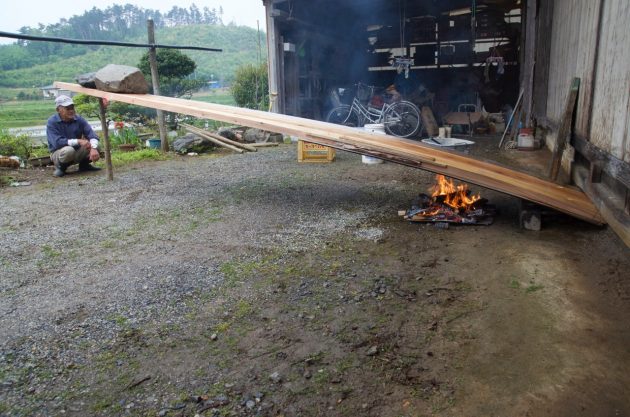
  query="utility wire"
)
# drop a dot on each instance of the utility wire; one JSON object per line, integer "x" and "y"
{"x": 110, "y": 43}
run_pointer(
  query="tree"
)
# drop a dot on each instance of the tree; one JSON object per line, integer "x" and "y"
{"x": 173, "y": 68}
{"x": 250, "y": 87}
{"x": 88, "y": 106}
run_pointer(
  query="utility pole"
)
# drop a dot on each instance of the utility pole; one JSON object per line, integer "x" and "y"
{"x": 156, "y": 83}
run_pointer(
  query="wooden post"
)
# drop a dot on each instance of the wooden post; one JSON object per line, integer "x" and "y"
{"x": 108, "y": 149}
{"x": 156, "y": 83}
{"x": 529, "y": 61}
{"x": 564, "y": 131}
{"x": 276, "y": 100}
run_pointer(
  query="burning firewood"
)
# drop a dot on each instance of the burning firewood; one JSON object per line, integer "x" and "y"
{"x": 450, "y": 203}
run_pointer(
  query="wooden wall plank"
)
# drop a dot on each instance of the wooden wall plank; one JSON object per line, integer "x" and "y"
{"x": 588, "y": 41}
{"x": 611, "y": 101}
{"x": 573, "y": 51}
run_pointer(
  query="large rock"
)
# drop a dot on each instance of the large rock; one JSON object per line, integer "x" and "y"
{"x": 227, "y": 133}
{"x": 254, "y": 135}
{"x": 192, "y": 143}
{"x": 275, "y": 138}
{"x": 121, "y": 79}
{"x": 87, "y": 80}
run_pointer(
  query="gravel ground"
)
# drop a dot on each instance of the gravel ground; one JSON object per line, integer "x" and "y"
{"x": 105, "y": 284}
{"x": 84, "y": 258}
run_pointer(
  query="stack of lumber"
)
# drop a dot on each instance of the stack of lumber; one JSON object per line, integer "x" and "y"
{"x": 219, "y": 140}
{"x": 567, "y": 199}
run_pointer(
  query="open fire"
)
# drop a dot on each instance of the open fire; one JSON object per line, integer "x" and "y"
{"x": 450, "y": 203}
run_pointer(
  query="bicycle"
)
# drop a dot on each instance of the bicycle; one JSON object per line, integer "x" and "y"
{"x": 401, "y": 118}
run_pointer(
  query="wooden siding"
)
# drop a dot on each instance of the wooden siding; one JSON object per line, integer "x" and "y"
{"x": 611, "y": 101}
{"x": 573, "y": 49}
{"x": 589, "y": 40}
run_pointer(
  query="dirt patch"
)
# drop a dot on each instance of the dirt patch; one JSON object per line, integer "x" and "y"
{"x": 252, "y": 285}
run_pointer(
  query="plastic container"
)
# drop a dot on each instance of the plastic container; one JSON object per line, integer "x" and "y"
{"x": 312, "y": 152}
{"x": 378, "y": 129}
{"x": 154, "y": 143}
{"x": 525, "y": 139}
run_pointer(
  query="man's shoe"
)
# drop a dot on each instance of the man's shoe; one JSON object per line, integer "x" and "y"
{"x": 60, "y": 170}
{"x": 86, "y": 167}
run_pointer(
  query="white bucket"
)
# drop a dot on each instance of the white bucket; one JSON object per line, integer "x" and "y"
{"x": 378, "y": 128}
{"x": 525, "y": 141}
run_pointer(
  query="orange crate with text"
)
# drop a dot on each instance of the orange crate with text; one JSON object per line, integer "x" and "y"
{"x": 312, "y": 152}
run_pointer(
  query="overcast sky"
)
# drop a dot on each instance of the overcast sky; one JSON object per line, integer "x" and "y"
{"x": 18, "y": 13}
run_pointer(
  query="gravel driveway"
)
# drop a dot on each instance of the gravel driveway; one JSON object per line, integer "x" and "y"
{"x": 218, "y": 284}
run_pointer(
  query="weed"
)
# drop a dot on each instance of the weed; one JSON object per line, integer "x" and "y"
{"x": 514, "y": 284}
{"x": 49, "y": 252}
{"x": 108, "y": 244}
{"x": 101, "y": 405}
{"x": 233, "y": 271}
{"x": 322, "y": 376}
{"x": 243, "y": 308}
{"x": 119, "y": 319}
{"x": 5, "y": 180}
{"x": 533, "y": 287}
{"x": 126, "y": 158}
{"x": 344, "y": 364}
{"x": 11, "y": 145}
{"x": 223, "y": 327}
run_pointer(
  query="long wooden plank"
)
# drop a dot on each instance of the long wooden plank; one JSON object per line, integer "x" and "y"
{"x": 567, "y": 199}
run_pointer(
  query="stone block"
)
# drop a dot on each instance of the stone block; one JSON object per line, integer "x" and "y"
{"x": 121, "y": 79}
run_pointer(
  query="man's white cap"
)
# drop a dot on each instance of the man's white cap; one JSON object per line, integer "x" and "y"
{"x": 64, "y": 101}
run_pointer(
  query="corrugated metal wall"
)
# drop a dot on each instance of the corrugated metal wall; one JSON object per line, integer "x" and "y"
{"x": 595, "y": 49}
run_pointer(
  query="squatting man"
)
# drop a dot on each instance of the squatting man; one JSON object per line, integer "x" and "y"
{"x": 71, "y": 139}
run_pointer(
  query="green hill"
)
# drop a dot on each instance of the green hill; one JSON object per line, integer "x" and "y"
{"x": 239, "y": 44}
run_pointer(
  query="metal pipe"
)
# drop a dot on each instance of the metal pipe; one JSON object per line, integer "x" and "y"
{"x": 110, "y": 43}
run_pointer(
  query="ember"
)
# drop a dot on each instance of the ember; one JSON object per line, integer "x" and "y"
{"x": 450, "y": 203}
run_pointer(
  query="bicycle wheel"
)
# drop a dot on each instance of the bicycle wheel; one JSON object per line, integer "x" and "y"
{"x": 402, "y": 119}
{"x": 343, "y": 115}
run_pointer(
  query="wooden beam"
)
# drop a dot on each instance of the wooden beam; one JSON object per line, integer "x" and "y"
{"x": 194, "y": 129}
{"x": 610, "y": 207}
{"x": 528, "y": 64}
{"x": 614, "y": 167}
{"x": 564, "y": 133}
{"x": 213, "y": 140}
{"x": 108, "y": 148}
{"x": 567, "y": 199}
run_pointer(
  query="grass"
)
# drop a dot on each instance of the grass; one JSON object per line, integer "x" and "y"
{"x": 25, "y": 113}
{"x": 217, "y": 97}
{"x": 125, "y": 158}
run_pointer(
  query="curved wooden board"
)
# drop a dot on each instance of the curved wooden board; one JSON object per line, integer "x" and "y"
{"x": 567, "y": 199}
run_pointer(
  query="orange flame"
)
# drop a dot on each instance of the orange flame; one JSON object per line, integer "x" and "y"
{"x": 454, "y": 196}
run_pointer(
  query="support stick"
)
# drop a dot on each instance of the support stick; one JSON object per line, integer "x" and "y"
{"x": 108, "y": 149}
